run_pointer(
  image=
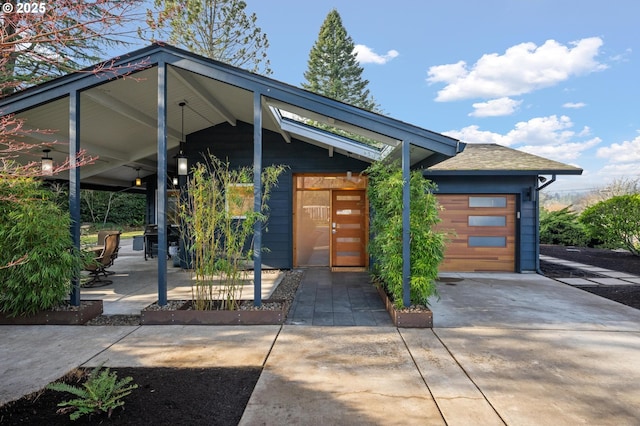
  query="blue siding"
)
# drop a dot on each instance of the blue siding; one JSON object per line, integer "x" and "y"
{"x": 235, "y": 144}
{"x": 527, "y": 230}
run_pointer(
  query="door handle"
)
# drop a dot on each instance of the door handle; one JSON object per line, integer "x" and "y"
{"x": 333, "y": 225}
{"x": 333, "y": 231}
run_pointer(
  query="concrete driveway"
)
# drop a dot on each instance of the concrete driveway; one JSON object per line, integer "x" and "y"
{"x": 539, "y": 352}
{"x": 506, "y": 349}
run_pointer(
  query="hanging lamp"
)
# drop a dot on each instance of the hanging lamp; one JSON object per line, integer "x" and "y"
{"x": 183, "y": 165}
{"x": 138, "y": 179}
{"x": 47, "y": 163}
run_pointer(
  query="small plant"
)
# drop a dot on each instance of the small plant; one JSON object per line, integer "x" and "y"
{"x": 102, "y": 392}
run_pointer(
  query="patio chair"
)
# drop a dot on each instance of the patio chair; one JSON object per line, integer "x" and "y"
{"x": 102, "y": 262}
{"x": 101, "y": 237}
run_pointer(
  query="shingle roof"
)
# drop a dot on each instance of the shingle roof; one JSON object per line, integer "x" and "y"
{"x": 492, "y": 158}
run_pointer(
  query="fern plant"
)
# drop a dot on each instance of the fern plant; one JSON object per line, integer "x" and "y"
{"x": 102, "y": 392}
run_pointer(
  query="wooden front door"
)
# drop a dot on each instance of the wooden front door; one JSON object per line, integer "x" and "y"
{"x": 348, "y": 228}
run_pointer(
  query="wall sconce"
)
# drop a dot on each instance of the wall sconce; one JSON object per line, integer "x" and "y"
{"x": 138, "y": 179}
{"x": 47, "y": 163}
{"x": 183, "y": 165}
{"x": 175, "y": 181}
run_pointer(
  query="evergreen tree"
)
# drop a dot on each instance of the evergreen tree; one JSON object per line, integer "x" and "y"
{"x": 333, "y": 70}
{"x": 217, "y": 29}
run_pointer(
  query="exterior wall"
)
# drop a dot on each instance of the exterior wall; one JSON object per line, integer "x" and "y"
{"x": 236, "y": 145}
{"x": 526, "y": 205}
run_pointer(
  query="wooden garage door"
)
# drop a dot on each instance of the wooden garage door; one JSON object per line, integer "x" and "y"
{"x": 483, "y": 234}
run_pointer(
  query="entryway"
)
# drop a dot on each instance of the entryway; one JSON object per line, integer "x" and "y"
{"x": 330, "y": 221}
{"x": 327, "y": 298}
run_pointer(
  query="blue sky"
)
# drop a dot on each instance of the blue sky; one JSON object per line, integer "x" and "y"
{"x": 556, "y": 78}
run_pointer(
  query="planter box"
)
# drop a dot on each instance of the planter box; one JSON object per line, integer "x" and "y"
{"x": 88, "y": 310}
{"x": 186, "y": 316}
{"x": 414, "y": 319}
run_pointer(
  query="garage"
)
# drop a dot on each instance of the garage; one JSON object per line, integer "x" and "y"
{"x": 481, "y": 230}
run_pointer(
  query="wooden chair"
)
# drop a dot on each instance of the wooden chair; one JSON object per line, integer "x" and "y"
{"x": 102, "y": 262}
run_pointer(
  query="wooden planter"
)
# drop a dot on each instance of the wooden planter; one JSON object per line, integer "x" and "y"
{"x": 414, "y": 319}
{"x": 88, "y": 310}
{"x": 186, "y": 316}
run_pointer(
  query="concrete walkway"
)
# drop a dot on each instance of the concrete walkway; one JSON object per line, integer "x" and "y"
{"x": 506, "y": 349}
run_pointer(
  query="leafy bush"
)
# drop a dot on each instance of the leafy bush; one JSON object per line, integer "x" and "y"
{"x": 562, "y": 227}
{"x": 615, "y": 221}
{"x": 101, "y": 392}
{"x": 385, "y": 246}
{"x": 37, "y": 260}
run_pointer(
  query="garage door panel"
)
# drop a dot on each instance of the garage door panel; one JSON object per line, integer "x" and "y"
{"x": 460, "y": 254}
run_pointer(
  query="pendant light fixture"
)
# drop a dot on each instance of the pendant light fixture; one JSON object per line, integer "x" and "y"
{"x": 138, "y": 179}
{"x": 47, "y": 163}
{"x": 183, "y": 165}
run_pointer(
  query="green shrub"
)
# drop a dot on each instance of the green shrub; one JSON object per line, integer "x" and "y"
{"x": 102, "y": 392}
{"x": 385, "y": 246}
{"x": 37, "y": 260}
{"x": 562, "y": 227}
{"x": 615, "y": 221}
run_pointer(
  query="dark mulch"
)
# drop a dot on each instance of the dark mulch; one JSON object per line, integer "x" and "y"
{"x": 211, "y": 396}
{"x": 614, "y": 260}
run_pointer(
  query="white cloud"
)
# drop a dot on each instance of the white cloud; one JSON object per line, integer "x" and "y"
{"x": 549, "y": 137}
{"x": 473, "y": 134}
{"x": 574, "y": 105}
{"x": 366, "y": 55}
{"x": 612, "y": 171}
{"x": 622, "y": 57}
{"x": 619, "y": 153}
{"x": 523, "y": 68}
{"x": 495, "y": 108}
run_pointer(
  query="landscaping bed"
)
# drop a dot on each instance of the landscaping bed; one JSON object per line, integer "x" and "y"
{"x": 620, "y": 261}
{"x": 65, "y": 314}
{"x": 212, "y": 396}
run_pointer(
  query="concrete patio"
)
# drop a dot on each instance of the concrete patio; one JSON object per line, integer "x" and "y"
{"x": 135, "y": 283}
{"x": 505, "y": 349}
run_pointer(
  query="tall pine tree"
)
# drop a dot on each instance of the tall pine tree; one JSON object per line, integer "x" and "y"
{"x": 333, "y": 69}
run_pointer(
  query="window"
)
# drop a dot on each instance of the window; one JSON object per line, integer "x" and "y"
{"x": 487, "y": 220}
{"x": 487, "y": 241}
{"x": 496, "y": 202}
{"x": 239, "y": 200}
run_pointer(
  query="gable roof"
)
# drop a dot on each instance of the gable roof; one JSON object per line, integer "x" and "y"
{"x": 118, "y": 113}
{"x": 477, "y": 159}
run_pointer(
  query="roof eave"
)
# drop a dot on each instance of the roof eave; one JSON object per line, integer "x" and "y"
{"x": 428, "y": 172}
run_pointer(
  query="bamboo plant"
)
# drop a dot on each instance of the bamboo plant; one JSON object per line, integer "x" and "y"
{"x": 385, "y": 246}
{"x": 218, "y": 216}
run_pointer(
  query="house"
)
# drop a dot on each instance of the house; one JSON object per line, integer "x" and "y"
{"x": 160, "y": 102}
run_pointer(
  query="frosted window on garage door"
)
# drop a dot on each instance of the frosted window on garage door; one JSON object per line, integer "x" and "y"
{"x": 497, "y": 202}
{"x": 487, "y": 241}
{"x": 487, "y": 220}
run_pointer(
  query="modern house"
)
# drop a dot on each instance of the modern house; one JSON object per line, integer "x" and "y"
{"x": 161, "y": 103}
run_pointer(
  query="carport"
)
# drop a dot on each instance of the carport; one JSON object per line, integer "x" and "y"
{"x": 129, "y": 114}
